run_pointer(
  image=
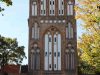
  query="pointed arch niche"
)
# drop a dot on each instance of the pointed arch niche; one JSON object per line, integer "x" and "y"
{"x": 70, "y": 57}
{"x": 35, "y": 31}
{"x": 52, "y": 49}
{"x": 34, "y": 8}
{"x": 70, "y": 8}
{"x": 69, "y": 30}
{"x": 35, "y": 57}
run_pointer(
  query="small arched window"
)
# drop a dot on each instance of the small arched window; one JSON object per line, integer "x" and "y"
{"x": 52, "y": 51}
{"x": 70, "y": 59}
{"x": 51, "y": 7}
{"x": 70, "y": 8}
{"x": 34, "y": 9}
{"x": 35, "y": 31}
{"x": 35, "y": 58}
{"x": 61, "y": 7}
{"x": 69, "y": 31}
{"x": 67, "y": 57}
{"x": 43, "y": 7}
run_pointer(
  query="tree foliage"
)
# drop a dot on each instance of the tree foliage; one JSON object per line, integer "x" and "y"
{"x": 89, "y": 46}
{"x": 89, "y": 12}
{"x": 89, "y": 43}
{"x": 7, "y": 2}
{"x": 10, "y": 52}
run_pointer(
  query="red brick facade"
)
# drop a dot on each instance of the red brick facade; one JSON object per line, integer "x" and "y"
{"x": 52, "y": 24}
{"x": 11, "y": 69}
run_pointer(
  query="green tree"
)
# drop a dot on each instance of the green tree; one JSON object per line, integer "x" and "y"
{"x": 89, "y": 43}
{"x": 10, "y": 52}
{"x": 7, "y": 2}
{"x": 89, "y": 46}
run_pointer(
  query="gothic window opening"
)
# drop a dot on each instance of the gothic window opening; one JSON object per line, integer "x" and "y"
{"x": 34, "y": 9}
{"x": 70, "y": 59}
{"x": 67, "y": 56}
{"x": 54, "y": 53}
{"x": 52, "y": 7}
{"x": 32, "y": 58}
{"x": 57, "y": 48}
{"x": 35, "y": 31}
{"x": 70, "y": 8}
{"x": 43, "y": 7}
{"x": 69, "y": 31}
{"x": 35, "y": 58}
{"x": 61, "y": 7}
{"x": 48, "y": 49}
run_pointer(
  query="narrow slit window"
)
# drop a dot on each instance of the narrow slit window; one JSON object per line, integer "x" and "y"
{"x": 53, "y": 2}
{"x": 50, "y": 66}
{"x": 35, "y": 31}
{"x": 50, "y": 2}
{"x": 49, "y": 39}
{"x": 45, "y": 53}
{"x": 55, "y": 39}
{"x": 58, "y": 54}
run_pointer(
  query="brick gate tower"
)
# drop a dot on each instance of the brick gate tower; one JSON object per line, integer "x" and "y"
{"x": 52, "y": 37}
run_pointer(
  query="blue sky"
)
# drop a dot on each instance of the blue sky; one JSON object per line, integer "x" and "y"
{"x": 14, "y": 23}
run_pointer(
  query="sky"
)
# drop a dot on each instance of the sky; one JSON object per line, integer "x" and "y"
{"x": 14, "y": 24}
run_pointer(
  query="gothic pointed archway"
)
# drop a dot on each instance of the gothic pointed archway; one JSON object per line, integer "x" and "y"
{"x": 52, "y": 49}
